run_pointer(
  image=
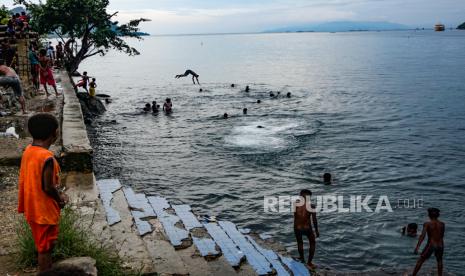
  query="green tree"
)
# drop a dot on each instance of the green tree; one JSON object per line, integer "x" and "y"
{"x": 84, "y": 26}
{"x": 461, "y": 26}
{"x": 4, "y": 14}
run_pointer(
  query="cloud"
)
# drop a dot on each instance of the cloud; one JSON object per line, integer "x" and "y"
{"x": 204, "y": 16}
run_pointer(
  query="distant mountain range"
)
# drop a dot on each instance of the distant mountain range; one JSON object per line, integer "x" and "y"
{"x": 342, "y": 26}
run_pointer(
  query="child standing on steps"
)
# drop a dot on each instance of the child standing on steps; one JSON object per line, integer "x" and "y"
{"x": 39, "y": 198}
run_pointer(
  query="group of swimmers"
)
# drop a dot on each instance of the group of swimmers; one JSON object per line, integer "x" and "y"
{"x": 155, "y": 108}
{"x": 247, "y": 89}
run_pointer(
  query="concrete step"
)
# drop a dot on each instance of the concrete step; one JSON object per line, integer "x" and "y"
{"x": 157, "y": 236}
{"x": 199, "y": 266}
{"x": 131, "y": 247}
{"x": 166, "y": 259}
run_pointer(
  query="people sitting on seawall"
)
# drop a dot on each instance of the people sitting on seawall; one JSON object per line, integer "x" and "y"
{"x": 168, "y": 106}
{"x": 410, "y": 230}
{"x": 9, "y": 78}
{"x": 92, "y": 86}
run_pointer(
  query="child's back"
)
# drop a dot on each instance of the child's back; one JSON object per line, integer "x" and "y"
{"x": 36, "y": 205}
{"x": 39, "y": 197}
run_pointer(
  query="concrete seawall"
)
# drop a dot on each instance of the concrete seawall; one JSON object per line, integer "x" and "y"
{"x": 77, "y": 152}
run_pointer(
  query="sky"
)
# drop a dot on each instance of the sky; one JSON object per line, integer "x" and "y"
{"x": 229, "y": 16}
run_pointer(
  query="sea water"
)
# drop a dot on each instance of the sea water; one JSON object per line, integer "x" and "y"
{"x": 383, "y": 112}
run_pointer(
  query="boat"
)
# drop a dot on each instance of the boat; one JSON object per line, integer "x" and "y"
{"x": 439, "y": 27}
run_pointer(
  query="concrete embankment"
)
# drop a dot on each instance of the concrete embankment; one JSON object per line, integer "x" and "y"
{"x": 77, "y": 152}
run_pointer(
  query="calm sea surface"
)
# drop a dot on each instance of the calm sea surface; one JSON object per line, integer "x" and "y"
{"x": 383, "y": 112}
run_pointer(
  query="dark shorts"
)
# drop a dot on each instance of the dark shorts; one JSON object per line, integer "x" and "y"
{"x": 299, "y": 233}
{"x": 430, "y": 249}
{"x": 14, "y": 83}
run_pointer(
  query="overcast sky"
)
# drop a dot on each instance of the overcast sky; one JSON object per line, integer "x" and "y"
{"x": 211, "y": 16}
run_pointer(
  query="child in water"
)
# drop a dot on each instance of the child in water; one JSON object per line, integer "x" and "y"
{"x": 147, "y": 107}
{"x": 155, "y": 107}
{"x": 303, "y": 219}
{"x": 168, "y": 106}
{"x": 92, "y": 86}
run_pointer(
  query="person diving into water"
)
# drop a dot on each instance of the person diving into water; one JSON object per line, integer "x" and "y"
{"x": 188, "y": 72}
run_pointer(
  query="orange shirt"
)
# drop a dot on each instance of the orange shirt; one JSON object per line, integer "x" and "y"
{"x": 36, "y": 205}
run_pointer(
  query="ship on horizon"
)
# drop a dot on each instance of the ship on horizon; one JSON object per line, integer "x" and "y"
{"x": 439, "y": 27}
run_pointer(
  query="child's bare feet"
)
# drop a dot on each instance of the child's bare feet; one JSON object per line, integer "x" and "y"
{"x": 311, "y": 265}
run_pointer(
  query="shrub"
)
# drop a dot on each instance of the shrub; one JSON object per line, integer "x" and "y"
{"x": 74, "y": 240}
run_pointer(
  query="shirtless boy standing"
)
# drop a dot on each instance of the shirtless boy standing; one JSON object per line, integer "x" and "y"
{"x": 303, "y": 219}
{"x": 435, "y": 230}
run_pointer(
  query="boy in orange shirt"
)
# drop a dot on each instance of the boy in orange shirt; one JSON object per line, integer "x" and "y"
{"x": 39, "y": 197}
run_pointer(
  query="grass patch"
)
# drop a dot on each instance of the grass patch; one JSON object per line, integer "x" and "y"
{"x": 74, "y": 240}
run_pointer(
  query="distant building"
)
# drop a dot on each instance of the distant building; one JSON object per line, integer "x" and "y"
{"x": 439, "y": 27}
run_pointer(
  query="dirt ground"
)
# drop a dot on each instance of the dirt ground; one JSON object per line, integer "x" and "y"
{"x": 9, "y": 218}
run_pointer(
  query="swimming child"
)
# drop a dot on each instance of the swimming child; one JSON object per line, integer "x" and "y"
{"x": 147, "y": 107}
{"x": 92, "y": 86}
{"x": 155, "y": 107}
{"x": 288, "y": 94}
{"x": 247, "y": 88}
{"x": 303, "y": 219}
{"x": 168, "y": 106}
{"x": 39, "y": 196}
{"x": 327, "y": 178}
{"x": 244, "y": 111}
{"x": 225, "y": 115}
{"x": 410, "y": 230}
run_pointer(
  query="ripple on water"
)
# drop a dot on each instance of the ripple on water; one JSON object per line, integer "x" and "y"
{"x": 267, "y": 134}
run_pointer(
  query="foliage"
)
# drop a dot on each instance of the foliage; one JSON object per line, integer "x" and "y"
{"x": 4, "y": 14}
{"x": 461, "y": 26}
{"x": 84, "y": 26}
{"x": 74, "y": 240}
